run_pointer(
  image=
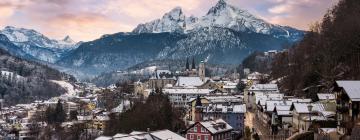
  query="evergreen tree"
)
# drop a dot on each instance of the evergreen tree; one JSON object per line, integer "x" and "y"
{"x": 193, "y": 64}
{"x": 60, "y": 114}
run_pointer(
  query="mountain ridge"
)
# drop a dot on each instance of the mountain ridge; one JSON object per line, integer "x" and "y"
{"x": 225, "y": 35}
{"x": 221, "y": 15}
{"x": 38, "y": 45}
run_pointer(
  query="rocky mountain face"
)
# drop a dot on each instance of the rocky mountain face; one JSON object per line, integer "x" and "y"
{"x": 37, "y": 45}
{"x": 221, "y": 15}
{"x": 225, "y": 35}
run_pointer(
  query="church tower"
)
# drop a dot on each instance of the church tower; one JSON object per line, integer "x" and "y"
{"x": 198, "y": 110}
{"x": 202, "y": 70}
{"x": 193, "y": 65}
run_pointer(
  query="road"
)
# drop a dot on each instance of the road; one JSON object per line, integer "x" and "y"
{"x": 250, "y": 120}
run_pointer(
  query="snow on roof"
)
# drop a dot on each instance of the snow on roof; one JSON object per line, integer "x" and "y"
{"x": 313, "y": 118}
{"x": 326, "y": 96}
{"x": 352, "y": 89}
{"x": 213, "y": 126}
{"x": 136, "y": 132}
{"x": 189, "y": 81}
{"x": 297, "y": 100}
{"x": 264, "y": 87}
{"x": 226, "y": 108}
{"x": 118, "y": 135}
{"x": 327, "y": 130}
{"x": 303, "y": 107}
{"x": 167, "y": 135}
{"x": 223, "y": 98}
{"x": 138, "y": 135}
{"x": 270, "y": 105}
{"x": 186, "y": 91}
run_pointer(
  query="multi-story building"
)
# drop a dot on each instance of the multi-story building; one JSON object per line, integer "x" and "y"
{"x": 209, "y": 130}
{"x": 347, "y": 95}
{"x": 160, "y": 79}
{"x": 233, "y": 114}
{"x": 212, "y": 99}
{"x": 180, "y": 96}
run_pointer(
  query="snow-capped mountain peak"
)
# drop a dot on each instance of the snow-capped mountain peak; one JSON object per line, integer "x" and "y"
{"x": 175, "y": 14}
{"x": 219, "y": 6}
{"x": 67, "y": 39}
{"x": 38, "y": 45}
{"x": 173, "y": 21}
{"x": 221, "y": 15}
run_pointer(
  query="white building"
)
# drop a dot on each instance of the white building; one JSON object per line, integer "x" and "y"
{"x": 180, "y": 96}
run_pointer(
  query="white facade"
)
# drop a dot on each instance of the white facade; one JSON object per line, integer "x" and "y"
{"x": 180, "y": 96}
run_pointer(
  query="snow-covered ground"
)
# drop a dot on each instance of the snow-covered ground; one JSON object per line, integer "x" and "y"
{"x": 67, "y": 86}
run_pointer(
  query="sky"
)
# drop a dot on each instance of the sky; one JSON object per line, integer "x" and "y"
{"x": 85, "y": 20}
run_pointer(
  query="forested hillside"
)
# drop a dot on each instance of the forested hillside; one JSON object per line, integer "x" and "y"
{"x": 23, "y": 81}
{"x": 331, "y": 51}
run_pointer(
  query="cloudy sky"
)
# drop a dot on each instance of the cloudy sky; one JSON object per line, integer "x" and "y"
{"x": 89, "y": 19}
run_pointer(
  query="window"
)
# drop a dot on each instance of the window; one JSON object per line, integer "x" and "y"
{"x": 199, "y": 137}
{"x": 206, "y": 137}
{"x": 195, "y": 128}
{"x": 191, "y": 136}
{"x": 202, "y": 129}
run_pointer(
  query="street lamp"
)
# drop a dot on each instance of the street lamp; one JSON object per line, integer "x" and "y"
{"x": 310, "y": 109}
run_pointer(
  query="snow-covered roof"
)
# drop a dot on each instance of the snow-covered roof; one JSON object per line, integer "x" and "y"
{"x": 167, "y": 135}
{"x": 225, "y": 108}
{"x": 264, "y": 87}
{"x": 154, "y": 135}
{"x": 303, "y": 107}
{"x": 189, "y": 81}
{"x": 103, "y": 138}
{"x": 270, "y": 105}
{"x": 222, "y": 99}
{"x": 327, "y": 130}
{"x": 352, "y": 89}
{"x": 213, "y": 126}
{"x": 297, "y": 100}
{"x": 186, "y": 91}
{"x": 326, "y": 96}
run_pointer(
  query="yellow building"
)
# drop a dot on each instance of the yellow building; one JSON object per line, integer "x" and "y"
{"x": 191, "y": 112}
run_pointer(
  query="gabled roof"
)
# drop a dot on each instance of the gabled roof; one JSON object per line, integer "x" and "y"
{"x": 189, "y": 81}
{"x": 167, "y": 135}
{"x": 212, "y": 126}
{"x": 186, "y": 91}
{"x": 351, "y": 88}
{"x": 303, "y": 107}
{"x": 325, "y": 96}
{"x": 220, "y": 108}
{"x": 138, "y": 135}
{"x": 264, "y": 87}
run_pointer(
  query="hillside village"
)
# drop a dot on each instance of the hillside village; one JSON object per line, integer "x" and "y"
{"x": 227, "y": 75}
{"x": 215, "y": 108}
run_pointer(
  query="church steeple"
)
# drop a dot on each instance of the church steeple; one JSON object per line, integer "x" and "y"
{"x": 193, "y": 64}
{"x": 187, "y": 64}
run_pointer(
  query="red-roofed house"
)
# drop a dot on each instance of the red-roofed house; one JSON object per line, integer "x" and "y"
{"x": 209, "y": 130}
